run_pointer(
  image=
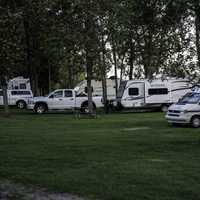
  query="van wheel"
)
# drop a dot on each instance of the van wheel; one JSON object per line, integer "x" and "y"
{"x": 21, "y": 104}
{"x": 164, "y": 108}
{"x": 195, "y": 122}
{"x": 40, "y": 108}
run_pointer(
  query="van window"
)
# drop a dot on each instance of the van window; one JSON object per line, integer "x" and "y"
{"x": 20, "y": 93}
{"x": 68, "y": 93}
{"x": 158, "y": 91}
{"x": 133, "y": 91}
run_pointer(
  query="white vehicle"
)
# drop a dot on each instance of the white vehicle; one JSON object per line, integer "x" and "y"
{"x": 62, "y": 99}
{"x": 186, "y": 111}
{"x": 97, "y": 90}
{"x": 156, "y": 93}
{"x": 17, "y": 98}
{"x": 19, "y": 83}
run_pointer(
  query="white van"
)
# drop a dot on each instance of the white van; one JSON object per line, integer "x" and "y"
{"x": 17, "y": 98}
{"x": 155, "y": 93}
{"x": 186, "y": 111}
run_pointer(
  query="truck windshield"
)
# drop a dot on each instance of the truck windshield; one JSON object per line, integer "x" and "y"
{"x": 190, "y": 98}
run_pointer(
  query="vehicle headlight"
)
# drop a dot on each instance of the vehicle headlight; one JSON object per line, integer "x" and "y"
{"x": 184, "y": 111}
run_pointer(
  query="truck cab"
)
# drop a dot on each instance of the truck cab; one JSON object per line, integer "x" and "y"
{"x": 186, "y": 111}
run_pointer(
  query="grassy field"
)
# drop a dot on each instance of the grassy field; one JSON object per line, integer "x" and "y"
{"x": 115, "y": 157}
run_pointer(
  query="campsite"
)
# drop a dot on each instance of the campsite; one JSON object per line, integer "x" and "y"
{"x": 99, "y": 100}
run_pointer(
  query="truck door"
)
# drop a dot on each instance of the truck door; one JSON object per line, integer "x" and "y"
{"x": 55, "y": 100}
{"x": 69, "y": 99}
{"x": 134, "y": 95}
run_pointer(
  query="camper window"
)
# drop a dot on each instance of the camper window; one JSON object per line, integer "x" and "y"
{"x": 20, "y": 93}
{"x": 133, "y": 91}
{"x": 158, "y": 91}
{"x": 22, "y": 86}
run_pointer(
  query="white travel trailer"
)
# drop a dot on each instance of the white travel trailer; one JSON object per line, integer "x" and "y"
{"x": 19, "y": 83}
{"x": 151, "y": 93}
{"x": 97, "y": 90}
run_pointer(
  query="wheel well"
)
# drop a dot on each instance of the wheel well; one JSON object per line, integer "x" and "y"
{"x": 195, "y": 116}
{"x": 20, "y": 100}
{"x": 86, "y": 103}
{"x": 41, "y": 103}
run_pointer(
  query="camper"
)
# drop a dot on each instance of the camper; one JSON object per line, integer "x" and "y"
{"x": 155, "y": 93}
{"x": 97, "y": 90}
{"x": 19, "y": 83}
{"x": 187, "y": 110}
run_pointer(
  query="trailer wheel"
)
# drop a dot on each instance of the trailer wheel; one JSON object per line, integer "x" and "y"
{"x": 164, "y": 108}
{"x": 195, "y": 122}
{"x": 40, "y": 108}
{"x": 21, "y": 104}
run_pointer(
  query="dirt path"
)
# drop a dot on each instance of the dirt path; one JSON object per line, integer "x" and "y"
{"x": 11, "y": 191}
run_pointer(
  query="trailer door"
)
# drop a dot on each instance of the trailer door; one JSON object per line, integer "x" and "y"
{"x": 134, "y": 95}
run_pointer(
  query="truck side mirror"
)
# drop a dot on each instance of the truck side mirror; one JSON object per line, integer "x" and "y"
{"x": 51, "y": 97}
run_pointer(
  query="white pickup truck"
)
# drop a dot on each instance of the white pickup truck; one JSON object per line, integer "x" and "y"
{"x": 62, "y": 99}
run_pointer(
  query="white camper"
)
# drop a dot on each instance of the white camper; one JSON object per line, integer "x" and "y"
{"x": 19, "y": 83}
{"x": 151, "y": 93}
{"x": 97, "y": 90}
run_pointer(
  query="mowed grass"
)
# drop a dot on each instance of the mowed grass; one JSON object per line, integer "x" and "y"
{"x": 109, "y": 158}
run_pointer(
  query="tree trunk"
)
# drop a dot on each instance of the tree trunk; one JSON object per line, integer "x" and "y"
{"x": 131, "y": 58}
{"x": 197, "y": 26}
{"x": 28, "y": 49}
{"x": 49, "y": 69}
{"x": 115, "y": 66}
{"x": 89, "y": 80}
{"x": 5, "y": 97}
{"x": 103, "y": 77}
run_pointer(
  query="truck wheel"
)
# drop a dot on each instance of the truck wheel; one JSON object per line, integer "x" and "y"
{"x": 85, "y": 108}
{"x": 21, "y": 104}
{"x": 195, "y": 122}
{"x": 40, "y": 108}
{"x": 164, "y": 108}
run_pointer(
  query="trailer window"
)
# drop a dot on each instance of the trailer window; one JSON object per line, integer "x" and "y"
{"x": 158, "y": 91}
{"x": 133, "y": 91}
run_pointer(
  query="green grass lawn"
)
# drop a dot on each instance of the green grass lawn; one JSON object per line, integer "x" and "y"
{"x": 102, "y": 158}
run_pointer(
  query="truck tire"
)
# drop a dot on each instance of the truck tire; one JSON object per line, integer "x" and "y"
{"x": 164, "y": 108}
{"x": 195, "y": 122}
{"x": 85, "y": 109}
{"x": 21, "y": 104}
{"x": 40, "y": 108}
